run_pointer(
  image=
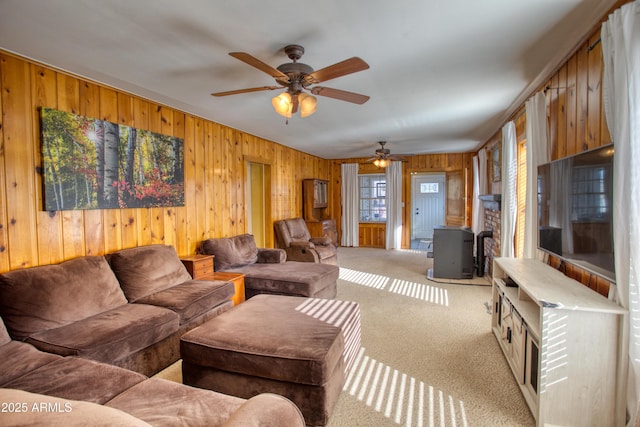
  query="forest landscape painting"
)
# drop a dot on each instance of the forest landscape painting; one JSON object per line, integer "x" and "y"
{"x": 95, "y": 164}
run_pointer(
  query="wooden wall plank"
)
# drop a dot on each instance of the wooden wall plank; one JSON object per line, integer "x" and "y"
{"x": 208, "y": 184}
{"x": 595, "y": 93}
{"x": 193, "y": 181}
{"x": 181, "y": 239}
{"x": 582, "y": 89}
{"x": 561, "y": 122}
{"x": 571, "y": 105}
{"x": 50, "y": 237}
{"x": 4, "y": 238}
{"x": 18, "y": 116}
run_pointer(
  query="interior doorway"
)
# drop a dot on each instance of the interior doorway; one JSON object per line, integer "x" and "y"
{"x": 258, "y": 209}
{"x": 428, "y": 195}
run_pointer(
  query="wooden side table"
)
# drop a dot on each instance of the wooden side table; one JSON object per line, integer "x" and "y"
{"x": 198, "y": 265}
{"x": 236, "y": 278}
{"x": 201, "y": 268}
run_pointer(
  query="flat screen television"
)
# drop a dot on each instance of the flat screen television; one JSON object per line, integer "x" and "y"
{"x": 575, "y": 210}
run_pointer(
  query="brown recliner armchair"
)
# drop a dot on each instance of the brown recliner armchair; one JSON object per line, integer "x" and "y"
{"x": 293, "y": 236}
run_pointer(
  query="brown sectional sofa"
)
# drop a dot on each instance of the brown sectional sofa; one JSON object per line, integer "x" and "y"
{"x": 267, "y": 271}
{"x": 80, "y": 392}
{"x": 77, "y": 325}
{"x": 128, "y": 309}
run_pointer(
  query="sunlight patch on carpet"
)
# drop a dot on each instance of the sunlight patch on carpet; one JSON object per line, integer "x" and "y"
{"x": 365, "y": 279}
{"x": 421, "y": 291}
{"x": 401, "y": 397}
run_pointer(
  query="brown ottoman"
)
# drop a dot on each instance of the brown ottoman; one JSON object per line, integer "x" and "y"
{"x": 300, "y": 348}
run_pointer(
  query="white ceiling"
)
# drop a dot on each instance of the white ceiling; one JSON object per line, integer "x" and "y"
{"x": 444, "y": 74}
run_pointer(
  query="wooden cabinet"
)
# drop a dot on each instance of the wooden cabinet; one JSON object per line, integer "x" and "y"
{"x": 315, "y": 199}
{"x": 198, "y": 265}
{"x": 324, "y": 228}
{"x": 562, "y": 343}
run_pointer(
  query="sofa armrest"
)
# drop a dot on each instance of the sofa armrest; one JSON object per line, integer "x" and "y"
{"x": 321, "y": 241}
{"x": 266, "y": 410}
{"x": 302, "y": 254}
{"x": 302, "y": 244}
{"x": 271, "y": 256}
{"x": 67, "y": 413}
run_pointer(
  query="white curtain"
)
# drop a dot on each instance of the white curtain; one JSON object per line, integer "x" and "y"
{"x": 394, "y": 205}
{"x": 509, "y": 200}
{"x": 350, "y": 205}
{"x": 537, "y": 154}
{"x": 620, "y": 37}
{"x": 477, "y": 221}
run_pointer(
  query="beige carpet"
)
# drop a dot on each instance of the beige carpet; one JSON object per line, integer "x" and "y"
{"x": 428, "y": 357}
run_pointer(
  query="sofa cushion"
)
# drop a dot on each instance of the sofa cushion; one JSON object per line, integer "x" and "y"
{"x": 162, "y": 402}
{"x": 146, "y": 270}
{"x": 78, "y": 379}
{"x": 291, "y": 278}
{"x": 68, "y": 413}
{"x": 112, "y": 335}
{"x": 46, "y": 297}
{"x": 18, "y": 358}
{"x": 191, "y": 299}
{"x": 231, "y": 252}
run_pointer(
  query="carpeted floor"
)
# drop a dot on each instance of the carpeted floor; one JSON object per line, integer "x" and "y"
{"x": 428, "y": 357}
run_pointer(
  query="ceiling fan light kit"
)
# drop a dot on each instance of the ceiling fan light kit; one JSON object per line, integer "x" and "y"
{"x": 283, "y": 104}
{"x": 381, "y": 163}
{"x": 307, "y": 104}
{"x": 297, "y": 77}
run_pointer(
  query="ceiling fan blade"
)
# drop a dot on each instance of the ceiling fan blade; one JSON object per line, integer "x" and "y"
{"x": 255, "y": 62}
{"x": 348, "y": 66}
{"x": 251, "y": 89}
{"x": 342, "y": 95}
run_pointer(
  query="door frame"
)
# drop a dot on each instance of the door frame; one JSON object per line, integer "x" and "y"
{"x": 267, "y": 192}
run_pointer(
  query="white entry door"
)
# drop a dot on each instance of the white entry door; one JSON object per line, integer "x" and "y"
{"x": 429, "y": 198}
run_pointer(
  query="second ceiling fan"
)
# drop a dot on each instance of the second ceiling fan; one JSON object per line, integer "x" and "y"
{"x": 383, "y": 157}
{"x": 297, "y": 77}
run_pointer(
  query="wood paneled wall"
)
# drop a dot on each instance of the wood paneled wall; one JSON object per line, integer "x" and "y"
{"x": 576, "y": 118}
{"x": 215, "y": 170}
{"x": 372, "y": 235}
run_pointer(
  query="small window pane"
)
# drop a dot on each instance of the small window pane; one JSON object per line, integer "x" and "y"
{"x": 429, "y": 187}
{"x": 373, "y": 189}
